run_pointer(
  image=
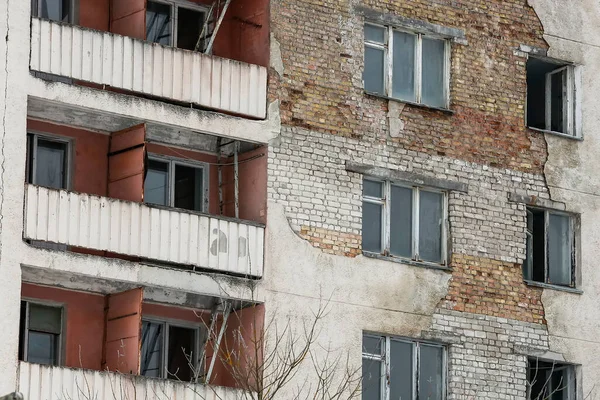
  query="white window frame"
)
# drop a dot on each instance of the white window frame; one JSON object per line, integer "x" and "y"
{"x": 572, "y": 231}
{"x": 36, "y": 8}
{"x": 167, "y": 322}
{"x": 386, "y": 362}
{"x": 175, "y": 5}
{"x": 61, "y": 336}
{"x": 386, "y": 218}
{"x": 172, "y": 162}
{"x": 32, "y": 147}
{"x": 388, "y": 48}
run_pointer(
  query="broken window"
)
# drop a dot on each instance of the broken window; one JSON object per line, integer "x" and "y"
{"x": 169, "y": 351}
{"x": 177, "y": 24}
{"x": 47, "y": 161}
{"x": 550, "y": 380}
{"x": 406, "y": 66}
{"x": 550, "y": 254}
{"x": 404, "y": 221}
{"x": 551, "y": 96}
{"x": 394, "y": 368}
{"x": 40, "y": 333}
{"x": 177, "y": 184}
{"x": 55, "y": 10}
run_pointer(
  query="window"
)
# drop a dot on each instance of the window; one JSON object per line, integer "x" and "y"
{"x": 394, "y": 368}
{"x": 48, "y": 161}
{"x": 173, "y": 183}
{"x": 550, "y": 380}
{"x": 55, "y": 10}
{"x": 406, "y": 66}
{"x": 410, "y": 225}
{"x": 177, "y": 24}
{"x": 551, "y": 96}
{"x": 168, "y": 350}
{"x": 40, "y": 333}
{"x": 550, "y": 248}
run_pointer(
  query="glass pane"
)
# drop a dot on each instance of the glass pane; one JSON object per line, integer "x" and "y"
{"x": 430, "y": 226}
{"x": 433, "y": 73}
{"x": 55, "y": 10}
{"x": 42, "y": 348}
{"x": 371, "y": 227}
{"x": 156, "y": 185}
{"x": 372, "y": 188}
{"x": 158, "y": 23}
{"x": 401, "y": 222}
{"x": 44, "y": 318}
{"x": 374, "y": 70}
{"x": 152, "y": 340}
{"x": 374, "y": 33}
{"x": 372, "y": 344}
{"x": 559, "y": 250}
{"x": 558, "y": 81}
{"x": 431, "y": 364}
{"x": 188, "y": 187}
{"x": 51, "y": 163}
{"x": 371, "y": 382}
{"x": 403, "y": 74}
{"x": 181, "y": 353}
{"x": 189, "y": 27}
{"x": 401, "y": 370}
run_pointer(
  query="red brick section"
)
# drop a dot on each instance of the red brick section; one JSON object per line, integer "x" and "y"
{"x": 495, "y": 288}
{"x": 333, "y": 242}
{"x": 321, "y": 88}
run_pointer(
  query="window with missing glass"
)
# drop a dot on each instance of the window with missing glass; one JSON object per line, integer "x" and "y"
{"x": 176, "y": 183}
{"x": 550, "y": 247}
{"x": 48, "y": 161}
{"x": 40, "y": 333}
{"x": 396, "y": 368}
{"x": 550, "y": 380}
{"x": 169, "y": 350}
{"x": 55, "y": 10}
{"x": 404, "y": 221}
{"x": 175, "y": 23}
{"x": 407, "y": 66}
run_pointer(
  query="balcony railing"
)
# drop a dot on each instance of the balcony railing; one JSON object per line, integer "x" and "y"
{"x": 136, "y": 229}
{"x": 39, "y": 382}
{"x": 142, "y": 67}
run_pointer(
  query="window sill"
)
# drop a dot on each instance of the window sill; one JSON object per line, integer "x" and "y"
{"x": 553, "y": 287}
{"x": 419, "y": 105}
{"x": 556, "y": 133}
{"x": 407, "y": 261}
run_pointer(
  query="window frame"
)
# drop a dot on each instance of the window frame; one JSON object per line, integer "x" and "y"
{"x": 172, "y": 162}
{"x": 571, "y": 369}
{"x": 175, "y": 5}
{"x": 36, "y": 9}
{"x": 168, "y": 322}
{"x": 24, "y": 333}
{"x": 388, "y": 49}
{"x": 385, "y": 203}
{"x": 573, "y": 234}
{"x": 385, "y": 360}
{"x": 32, "y": 146}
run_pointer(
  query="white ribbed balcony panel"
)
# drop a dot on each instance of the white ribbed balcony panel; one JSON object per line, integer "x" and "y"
{"x": 136, "y": 229}
{"x": 40, "y": 382}
{"x": 131, "y": 64}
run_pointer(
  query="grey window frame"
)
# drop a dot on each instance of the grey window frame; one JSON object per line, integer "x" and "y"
{"x": 175, "y": 5}
{"x": 530, "y": 234}
{"x": 61, "y": 336}
{"x": 167, "y": 322}
{"x": 36, "y": 10}
{"x": 32, "y": 156}
{"x": 386, "y": 218}
{"x": 571, "y": 372}
{"x": 172, "y": 162}
{"x": 388, "y": 47}
{"x": 385, "y": 360}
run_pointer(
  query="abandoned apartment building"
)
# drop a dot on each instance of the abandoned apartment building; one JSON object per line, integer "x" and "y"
{"x": 185, "y": 184}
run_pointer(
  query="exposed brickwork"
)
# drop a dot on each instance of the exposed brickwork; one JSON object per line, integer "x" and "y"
{"x": 332, "y": 242}
{"x": 483, "y": 286}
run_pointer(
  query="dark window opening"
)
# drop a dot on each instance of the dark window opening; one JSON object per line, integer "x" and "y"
{"x": 158, "y": 23}
{"x": 189, "y": 27}
{"x": 550, "y": 380}
{"x": 47, "y": 163}
{"x": 172, "y": 184}
{"x": 54, "y": 10}
{"x": 40, "y": 333}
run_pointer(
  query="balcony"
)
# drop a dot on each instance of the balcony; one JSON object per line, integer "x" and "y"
{"x": 39, "y": 382}
{"x": 139, "y": 230}
{"x": 145, "y": 68}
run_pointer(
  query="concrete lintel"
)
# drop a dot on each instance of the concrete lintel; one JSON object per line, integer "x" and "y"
{"x": 415, "y": 25}
{"x": 536, "y": 201}
{"x": 409, "y": 177}
{"x": 533, "y": 50}
{"x": 541, "y": 354}
{"x": 442, "y": 337}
